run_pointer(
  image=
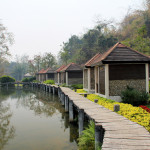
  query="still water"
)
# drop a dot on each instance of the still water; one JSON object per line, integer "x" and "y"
{"x": 34, "y": 120}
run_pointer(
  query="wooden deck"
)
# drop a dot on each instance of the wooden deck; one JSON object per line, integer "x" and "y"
{"x": 116, "y": 131}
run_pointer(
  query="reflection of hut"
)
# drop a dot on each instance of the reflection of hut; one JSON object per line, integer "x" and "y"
{"x": 72, "y": 74}
{"x": 118, "y": 68}
{"x": 28, "y": 75}
{"x": 40, "y": 76}
{"x": 57, "y": 76}
{"x": 49, "y": 74}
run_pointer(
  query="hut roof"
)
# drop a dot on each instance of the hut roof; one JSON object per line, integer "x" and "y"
{"x": 119, "y": 53}
{"x": 41, "y": 71}
{"x": 49, "y": 70}
{"x": 72, "y": 67}
{"x": 60, "y": 68}
{"x": 27, "y": 75}
{"x": 93, "y": 60}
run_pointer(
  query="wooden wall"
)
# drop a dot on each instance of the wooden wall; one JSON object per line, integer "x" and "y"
{"x": 126, "y": 71}
{"x": 78, "y": 74}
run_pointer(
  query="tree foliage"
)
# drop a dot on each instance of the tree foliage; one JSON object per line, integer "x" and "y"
{"x": 42, "y": 62}
{"x": 5, "y": 79}
{"x": 133, "y": 31}
{"x": 6, "y": 39}
{"x": 81, "y": 49}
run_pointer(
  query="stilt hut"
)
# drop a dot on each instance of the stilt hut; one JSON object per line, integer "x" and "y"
{"x": 118, "y": 68}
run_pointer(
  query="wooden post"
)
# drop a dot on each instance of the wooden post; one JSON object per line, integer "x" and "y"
{"x": 96, "y": 100}
{"x": 107, "y": 80}
{"x": 89, "y": 79}
{"x": 63, "y": 98}
{"x": 80, "y": 120}
{"x": 85, "y": 95}
{"x": 53, "y": 90}
{"x": 71, "y": 115}
{"x": 98, "y": 136}
{"x": 67, "y": 78}
{"x": 147, "y": 77}
{"x": 116, "y": 107}
{"x": 66, "y": 103}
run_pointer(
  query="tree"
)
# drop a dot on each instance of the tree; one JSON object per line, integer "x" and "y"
{"x": 21, "y": 67}
{"x": 6, "y": 39}
{"x": 48, "y": 60}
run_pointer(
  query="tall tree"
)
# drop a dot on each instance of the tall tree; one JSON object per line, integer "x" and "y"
{"x": 6, "y": 39}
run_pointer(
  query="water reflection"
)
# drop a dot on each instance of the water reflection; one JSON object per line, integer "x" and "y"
{"x": 44, "y": 105}
{"x": 7, "y": 131}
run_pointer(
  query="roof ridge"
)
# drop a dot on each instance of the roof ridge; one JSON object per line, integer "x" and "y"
{"x": 109, "y": 51}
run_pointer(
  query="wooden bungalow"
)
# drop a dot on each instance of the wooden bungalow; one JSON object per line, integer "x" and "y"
{"x": 49, "y": 74}
{"x": 72, "y": 74}
{"x": 118, "y": 68}
{"x": 40, "y": 76}
{"x": 57, "y": 75}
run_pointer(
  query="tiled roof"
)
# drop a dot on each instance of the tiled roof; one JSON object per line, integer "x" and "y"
{"x": 41, "y": 71}
{"x": 72, "y": 67}
{"x": 48, "y": 70}
{"x": 119, "y": 53}
{"x": 60, "y": 68}
{"x": 93, "y": 60}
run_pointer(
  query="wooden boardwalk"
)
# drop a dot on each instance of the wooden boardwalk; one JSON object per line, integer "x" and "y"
{"x": 120, "y": 133}
{"x": 115, "y": 131}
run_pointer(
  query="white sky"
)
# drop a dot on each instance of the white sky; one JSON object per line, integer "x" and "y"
{"x": 43, "y": 25}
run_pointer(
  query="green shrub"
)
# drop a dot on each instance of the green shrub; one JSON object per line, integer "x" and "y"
{"x": 28, "y": 79}
{"x": 77, "y": 86}
{"x": 134, "y": 97}
{"x": 87, "y": 138}
{"x": 25, "y": 80}
{"x": 64, "y": 85}
{"x": 5, "y": 79}
{"x": 31, "y": 79}
{"x": 36, "y": 81}
{"x": 49, "y": 82}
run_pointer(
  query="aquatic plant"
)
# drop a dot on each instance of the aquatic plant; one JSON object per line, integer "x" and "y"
{"x": 87, "y": 138}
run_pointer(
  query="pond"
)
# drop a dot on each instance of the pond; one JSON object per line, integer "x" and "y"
{"x": 34, "y": 120}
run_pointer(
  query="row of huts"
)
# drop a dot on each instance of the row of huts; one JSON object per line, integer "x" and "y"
{"x": 69, "y": 74}
{"x": 106, "y": 74}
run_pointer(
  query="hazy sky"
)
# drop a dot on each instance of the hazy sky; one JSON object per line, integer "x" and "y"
{"x": 43, "y": 25}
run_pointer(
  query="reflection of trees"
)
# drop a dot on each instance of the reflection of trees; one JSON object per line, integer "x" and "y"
{"x": 44, "y": 103}
{"x": 6, "y": 130}
{"x": 5, "y": 93}
{"x": 38, "y": 101}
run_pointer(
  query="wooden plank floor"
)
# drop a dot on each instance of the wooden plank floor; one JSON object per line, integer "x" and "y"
{"x": 120, "y": 133}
